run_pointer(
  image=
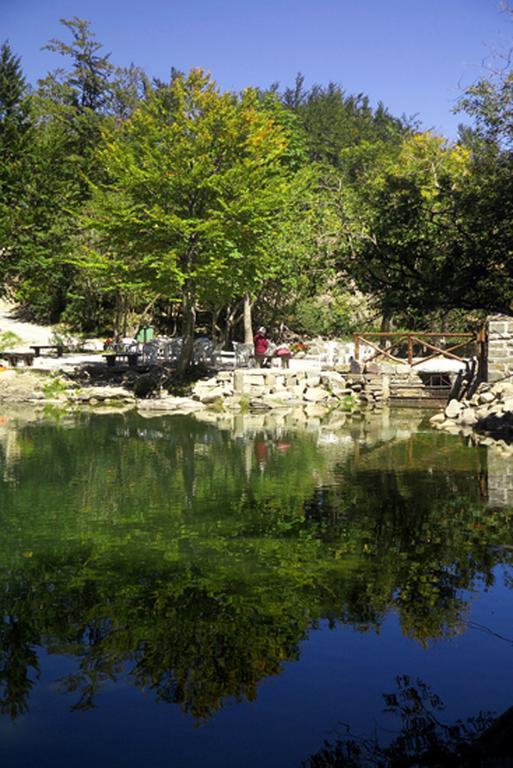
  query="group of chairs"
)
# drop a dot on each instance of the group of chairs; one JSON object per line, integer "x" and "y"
{"x": 333, "y": 353}
{"x": 167, "y": 350}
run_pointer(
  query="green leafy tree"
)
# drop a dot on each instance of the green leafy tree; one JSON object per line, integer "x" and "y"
{"x": 487, "y": 208}
{"x": 195, "y": 187}
{"x": 405, "y": 234}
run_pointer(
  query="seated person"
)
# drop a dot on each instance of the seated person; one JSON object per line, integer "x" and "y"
{"x": 284, "y": 353}
{"x": 261, "y": 343}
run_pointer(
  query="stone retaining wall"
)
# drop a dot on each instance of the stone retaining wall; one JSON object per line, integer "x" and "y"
{"x": 271, "y": 388}
{"x": 369, "y": 388}
{"x": 500, "y": 347}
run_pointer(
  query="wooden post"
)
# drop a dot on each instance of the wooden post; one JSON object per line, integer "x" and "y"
{"x": 356, "y": 347}
{"x": 410, "y": 349}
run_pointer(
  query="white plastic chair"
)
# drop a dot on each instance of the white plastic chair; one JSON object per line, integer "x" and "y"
{"x": 244, "y": 355}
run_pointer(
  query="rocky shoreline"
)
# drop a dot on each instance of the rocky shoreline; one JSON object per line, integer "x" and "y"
{"x": 486, "y": 417}
{"x": 317, "y": 392}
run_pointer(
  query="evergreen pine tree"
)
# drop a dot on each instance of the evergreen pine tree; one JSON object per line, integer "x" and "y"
{"x": 16, "y": 134}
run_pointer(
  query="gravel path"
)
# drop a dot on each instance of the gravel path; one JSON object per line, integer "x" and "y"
{"x": 29, "y": 333}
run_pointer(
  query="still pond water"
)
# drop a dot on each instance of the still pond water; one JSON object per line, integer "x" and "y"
{"x": 179, "y": 592}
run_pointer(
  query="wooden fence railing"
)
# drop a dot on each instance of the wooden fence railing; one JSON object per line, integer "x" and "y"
{"x": 425, "y": 341}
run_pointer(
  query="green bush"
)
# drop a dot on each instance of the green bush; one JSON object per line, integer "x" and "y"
{"x": 8, "y": 339}
{"x": 54, "y": 388}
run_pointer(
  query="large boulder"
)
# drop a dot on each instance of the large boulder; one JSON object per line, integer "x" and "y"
{"x": 315, "y": 394}
{"x": 504, "y": 389}
{"x": 454, "y": 409}
{"x": 211, "y": 395}
{"x": 486, "y": 397}
{"x": 332, "y": 379}
{"x": 507, "y": 405}
{"x": 206, "y": 385}
{"x": 468, "y": 417}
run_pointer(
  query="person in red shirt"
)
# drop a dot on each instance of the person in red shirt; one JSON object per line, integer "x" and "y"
{"x": 261, "y": 343}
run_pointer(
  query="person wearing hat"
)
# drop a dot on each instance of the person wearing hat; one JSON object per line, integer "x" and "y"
{"x": 261, "y": 343}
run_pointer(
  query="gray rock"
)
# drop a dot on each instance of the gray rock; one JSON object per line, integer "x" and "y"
{"x": 333, "y": 379}
{"x": 315, "y": 394}
{"x": 468, "y": 417}
{"x": 454, "y": 409}
{"x": 212, "y": 395}
{"x": 504, "y": 389}
{"x": 486, "y": 397}
{"x": 507, "y": 405}
{"x": 259, "y": 391}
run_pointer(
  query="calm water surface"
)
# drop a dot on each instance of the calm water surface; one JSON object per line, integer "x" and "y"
{"x": 180, "y": 592}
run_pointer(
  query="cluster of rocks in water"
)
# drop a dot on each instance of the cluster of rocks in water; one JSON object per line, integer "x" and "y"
{"x": 487, "y": 416}
{"x": 264, "y": 390}
{"x": 318, "y": 392}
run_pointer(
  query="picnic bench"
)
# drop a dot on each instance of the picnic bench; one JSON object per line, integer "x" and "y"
{"x": 13, "y": 358}
{"x": 132, "y": 358}
{"x": 38, "y": 347}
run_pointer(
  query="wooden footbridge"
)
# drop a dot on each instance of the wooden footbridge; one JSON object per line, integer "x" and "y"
{"x": 441, "y": 379}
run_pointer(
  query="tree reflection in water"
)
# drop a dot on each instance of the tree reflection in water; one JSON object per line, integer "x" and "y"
{"x": 166, "y": 554}
{"x": 424, "y": 738}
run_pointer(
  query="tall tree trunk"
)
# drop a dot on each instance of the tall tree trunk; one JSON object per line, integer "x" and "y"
{"x": 386, "y": 325}
{"x": 248, "y": 323}
{"x": 215, "y": 330}
{"x": 188, "y": 327}
{"x": 117, "y": 321}
{"x": 125, "y": 315}
{"x": 233, "y": 317}
{"x": 386, "y": 322}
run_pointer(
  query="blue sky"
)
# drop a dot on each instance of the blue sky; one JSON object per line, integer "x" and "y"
{"x": 414, "y": 55}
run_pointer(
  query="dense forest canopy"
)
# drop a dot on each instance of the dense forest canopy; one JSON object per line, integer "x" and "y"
{"x": 125, "y": 199}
